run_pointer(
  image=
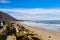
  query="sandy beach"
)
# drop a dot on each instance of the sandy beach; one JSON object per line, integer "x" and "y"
{"x": 45, "y": 34}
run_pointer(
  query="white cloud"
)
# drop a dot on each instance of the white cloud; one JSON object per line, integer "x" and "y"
{"x": 4, "y": 1}
{"x": 27, "y": 17}
{"x": 33, "y": 11}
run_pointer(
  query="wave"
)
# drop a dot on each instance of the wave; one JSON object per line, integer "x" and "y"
{"x": 53, "y": 27}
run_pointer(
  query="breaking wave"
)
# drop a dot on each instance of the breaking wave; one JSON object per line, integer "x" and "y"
{"x": 53, "y": 27}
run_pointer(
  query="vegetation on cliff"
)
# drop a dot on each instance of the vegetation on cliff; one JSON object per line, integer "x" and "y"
{"x": 15, "y": 31}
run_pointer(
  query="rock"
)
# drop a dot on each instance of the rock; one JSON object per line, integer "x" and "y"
{"x": 11, "y": 37}
{"x": 18, "y": 32}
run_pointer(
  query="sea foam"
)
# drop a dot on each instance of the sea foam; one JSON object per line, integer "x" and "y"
{"x": 53, "y": 27}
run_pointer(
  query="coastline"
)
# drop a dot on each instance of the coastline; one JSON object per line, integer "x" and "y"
{"x": 52, "y": 27}
{"x": 44, "y": 33}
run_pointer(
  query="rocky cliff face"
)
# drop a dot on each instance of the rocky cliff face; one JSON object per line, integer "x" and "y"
{"x": 6, "y": 17}
{"x": 15, "y": 31}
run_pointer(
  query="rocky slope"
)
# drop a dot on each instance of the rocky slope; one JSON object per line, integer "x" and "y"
{"x": 15, "y": 31}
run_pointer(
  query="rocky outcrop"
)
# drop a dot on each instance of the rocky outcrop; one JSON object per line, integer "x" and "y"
{"x": 18, "y": 32}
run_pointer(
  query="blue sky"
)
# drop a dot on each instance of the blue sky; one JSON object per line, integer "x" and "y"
{"x": 32, "y": 9}
{"x": 31, "y": 4}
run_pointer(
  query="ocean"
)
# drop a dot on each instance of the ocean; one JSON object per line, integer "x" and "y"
{"x": 48, "y": 21}
{"x": 53, "y": 25}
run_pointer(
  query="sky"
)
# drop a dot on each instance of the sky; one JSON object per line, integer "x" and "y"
{"x": 32, "y": 9}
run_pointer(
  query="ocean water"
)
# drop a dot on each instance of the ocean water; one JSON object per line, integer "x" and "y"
{"x": 48, "y": 21}
{"x": 53, "y": 25}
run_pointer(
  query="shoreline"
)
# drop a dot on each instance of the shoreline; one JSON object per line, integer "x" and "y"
{"x": 44, "y": 33}
{"x": 52, "y": 27}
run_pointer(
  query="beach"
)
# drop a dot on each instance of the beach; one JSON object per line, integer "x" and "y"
{"x": 45, "y": 34}
{"x": 52, "y": 27}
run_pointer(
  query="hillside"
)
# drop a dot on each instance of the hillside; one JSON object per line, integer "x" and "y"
{"x": 4, "y": 16}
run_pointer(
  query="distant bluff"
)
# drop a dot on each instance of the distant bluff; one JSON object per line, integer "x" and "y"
{"x": 6, "y": 17}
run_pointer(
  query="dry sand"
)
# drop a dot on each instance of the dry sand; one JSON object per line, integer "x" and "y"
{"x": 45, "y": 34}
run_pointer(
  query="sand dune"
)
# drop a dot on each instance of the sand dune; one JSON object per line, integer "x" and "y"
{"x": 45, "y": 34}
